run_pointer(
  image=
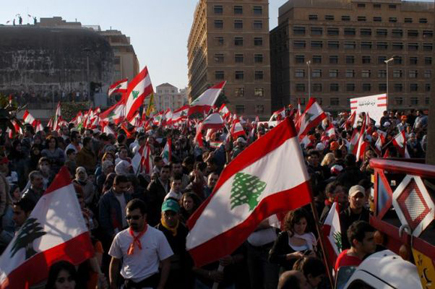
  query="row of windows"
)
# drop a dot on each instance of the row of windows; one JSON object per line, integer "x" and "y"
{"x": 238, "y": 58}
{"x": 316, "y": 44}
{"x": 349, "y": 31}
{"x": 350, "y": 73}
{"x": 238, "y": 75}
{"x": 238, "y": 24}
{"x": 366, "y": 87}
{"x": 315, "y": 17}
{"x": 335, "y": 101}
{"x": 238, "y": 41}
{"x": 350, "y": 59}
{"x": 238, "y": 10}
{"x": 240, "y": 109}
{"x": 240, "y": 92}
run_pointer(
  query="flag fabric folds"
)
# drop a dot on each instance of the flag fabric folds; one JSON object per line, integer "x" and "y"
{"x": 205, "y": 101}
{"x": 312, "y": 117}
{"x": 138, "y": 89}
{"x": 118, "y": 87}
{"x": 332, "y": 232}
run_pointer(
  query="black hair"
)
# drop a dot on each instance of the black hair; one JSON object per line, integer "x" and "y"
{"x": 313, "y": 266}
{"x": 86, "y": 140}
{"x": 25, "y": 204}
{"x": 358, "y": 230}
{"x": 56, "y": 268}
{"x": 137, "y": 204}
{"x": 70, "y": 151}
{"x": 120, "y": 179}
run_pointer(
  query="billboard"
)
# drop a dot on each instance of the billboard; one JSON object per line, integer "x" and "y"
{"x": 375, "y": 105}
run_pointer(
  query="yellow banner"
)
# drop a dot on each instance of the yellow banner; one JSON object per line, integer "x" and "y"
{"x": 425, "y": 269}
{"x": 150, "y": 107}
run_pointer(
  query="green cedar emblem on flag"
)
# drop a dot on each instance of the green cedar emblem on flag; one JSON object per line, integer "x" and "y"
{"x": 337, "y": 238}
{"x": 245, "y": 190}
{"x": 135, "y": 94}
{"x": 308, "y": 116}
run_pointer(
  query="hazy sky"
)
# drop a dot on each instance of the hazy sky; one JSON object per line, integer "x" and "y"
{"x": 158, "y": 29}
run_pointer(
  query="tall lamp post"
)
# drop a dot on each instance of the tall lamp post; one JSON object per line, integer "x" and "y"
{"x": 309, "y": 78}
{"x": 386, "y": 62}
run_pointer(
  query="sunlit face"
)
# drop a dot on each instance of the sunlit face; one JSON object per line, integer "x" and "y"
{"x": 300, "y": 227}
{"x": 64, "y": 281}
{"x": 212, "y": 180}
{"x": 357, "y": 201}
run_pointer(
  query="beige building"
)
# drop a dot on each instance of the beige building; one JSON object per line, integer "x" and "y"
{"x": 229, "y": 40}
{"x": 336, "y": 49}
{"x": 169, "y": 96}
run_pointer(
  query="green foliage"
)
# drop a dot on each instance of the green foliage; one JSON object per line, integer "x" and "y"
{"x": 70, "y": 109}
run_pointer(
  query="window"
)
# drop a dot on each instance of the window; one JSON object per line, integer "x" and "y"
{"x": 238, "y": 10}
{"x": 238, "y": 41}
{"x": 240, "y": 109}
{"x": 398, "y": 87}
{"x": 333, "y": 44}
{"x": 413, "y": 60}
{"x": 399, "y": 100}
{"x": 333, "y": 73}
{"x": 218, "y": 9}
{"x": 329, "y": 17}
{"x": 392, "y": 19}
{"x": 414, "y": 100}
{"x": 392, "y": 6}
{"x": 349, "y": 45}
{"x": 427, "y": 34}
{"x": 312, "y": 17}
{"x": 300, "y": 87}
{"x": 427, "y": 100}
{"x": 382, "y": 73}
{"x": 361, "y": 18}
{"x": 334, "y": 101}
{"x": 258, "y": 41}
{"x": 366, "y": 45}
{"x": 397, "y": 46}
{"x": 350, "y": 59}
{"x": 345, "y": 18}
{"x": 366, "y": 87}
{"x": 381, "y": 32}
{"x": 219, "y": 74}
{"x": 423, "y": 20}
{"x": 412, "y": 46}
{"x": 381, "y": 59}
{"x": 334, "y": 87}
{"x": 238, "y": 24}
{"x": 412, "y": 33}
{"x": 258, "y": 24}
{"x": 350, "y": 73}
{"x": 398, "y": 60}
{"x": 297, "y": 30}
{"x": 413, "y": 73}
{"x": 218, "y": 24}
{"x": 427, "y": 46}
{"x": 258, "y": 10}
{"x": 377, "y": 19}
{"x": 258, "y": 58}
{"x": 382, "y": 45}
{"x": 365, "y": 32}
{"x": 350, "y": 87}
{"x": 259, "y": 108}
{"x": 408, "y": 20}
{"x": 239, "y": 75}
{"x": 316, "y": 31}
{"x": 333, "y": 59}
{"x": 349, "y": 31}
{"x": 333, "y": 32}
{"x": 299, "y": 73}
{"x": 365, "y": 74}
{"x": 427, "y": 87}
{"x": 413, "y": 87}
{"x": 377, "y": 6}
{"x": 259, "y": 75}
{"x": 219, "y": 41}
{"x": 316, "y": 73}
{"x": 299, "y": 44}
{"x": 239, "y": 92}
{"x": 317, "y": 87}
{"x": 238, "y": 58}
{"x": 316, "y": 44}
{"x": 300, "y": 59}
{"x": 259, "y": 92}
{"x": 428, "y": 60}
{"x": 397, "y": 73}
{"x": 366, "y": 59}
{"x": 219, "y": 58}
{"x": 427, "y": 74}
{"x": 361, "y": 5}
{"x": 317, "y": 59}
{"x": 382, "y": 87}
{"x": 398, "y": 33}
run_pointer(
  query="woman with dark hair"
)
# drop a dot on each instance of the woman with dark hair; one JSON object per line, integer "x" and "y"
{"x": 295, "y": 242}
{"x": 189, "y": 202}
{"x": 62, "y": 275}
{"x": 54, "y": 154}
{"x": 18, "y": 160}
{"x": 108, "y": 183}
{"x": 35, "y": 155}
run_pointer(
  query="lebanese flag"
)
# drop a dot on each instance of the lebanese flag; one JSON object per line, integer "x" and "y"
{"x": 28, "y": 118}
{"x": 332, "y": 232}
{"x": 237, "y": 129}
{"x": 38, "y": 126}
{"x": 142, "y": 160}
{"x": 57, "y": 116}
{"x": 330, "y": 131}
{"x": 115, "y": 113}
{"x": 380, "y": 142}
{"x": 138, "y": 89}
{"x": 312, "y": 117}
{"x": 54, "y": 231}
{"x": 167, "y": 151}
{"x": 278, "y": 115}
{"x": 350, "y": 122}
{"x": 362, "y": 144}
{"x": 180, "y": 114}
{"x": 353, "y": 139}
{"x": 213, "y": 121}
{"x": 224, "y": 111}
{"x": 205, "y": 101}
{"x": 118, "y": 87}
{"x": 249, "y": 191}
{"x": 399, "y": 141}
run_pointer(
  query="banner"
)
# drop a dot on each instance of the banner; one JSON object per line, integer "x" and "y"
{"x": 375, "y": 105}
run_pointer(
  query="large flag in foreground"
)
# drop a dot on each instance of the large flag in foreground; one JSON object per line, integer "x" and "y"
{"x": 54, "y": 231}
{"x": 255, "y": 185}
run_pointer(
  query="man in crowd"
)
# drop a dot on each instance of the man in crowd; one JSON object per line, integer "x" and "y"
{"x": 156, "y": 193}
{"x": 36, "y": 190}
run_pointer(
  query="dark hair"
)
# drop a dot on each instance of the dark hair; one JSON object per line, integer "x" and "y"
{"x": 137, "y": 204}
{"x": 56, "y": 268}
{"x": 70, "y": 151}
{"x": 289, "y": 280}
{"x": 330, "y": 188}
{"x": 49, "y": 138}
{"x": 175, "y": 162}
{"x": 349, "y": 160}
{"x": 43, "y": 159}
{"x": 33, "y": 174}
{"x": 313, "y": 266}
{"x": 358, "y": 230}
{"x": 25, "y": 204}
{"x": 177, "y": 177}
{"x": 86, "y": 140}
{"x": 313, "y": 153}
{"x": 74, "y": 135}
{"x": 157, "y": 159}
{"x": 294, "y": 217}
{"x": 121, "y": 138}
{"x": 166, "y": 167}
{"x": 120, "y": 179}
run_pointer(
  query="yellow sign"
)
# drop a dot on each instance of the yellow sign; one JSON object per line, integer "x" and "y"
{"x": 425, "y": 269}
{"x": 150, "y": 107}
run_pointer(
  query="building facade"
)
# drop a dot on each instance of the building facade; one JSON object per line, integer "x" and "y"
{"x": 335, "y": 50}
{"x": 229, "y": 40}
{"x": 169, "y": 96}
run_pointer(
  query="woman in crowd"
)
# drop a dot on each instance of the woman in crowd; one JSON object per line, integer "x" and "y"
{"x": 62, "y": 275}
{"x": 54, "y": 154}
{"x": 189, "y": 203}
{"x": 82, "y": 179}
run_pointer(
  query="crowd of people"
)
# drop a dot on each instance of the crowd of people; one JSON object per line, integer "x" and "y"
{"x": 137, "y": 220}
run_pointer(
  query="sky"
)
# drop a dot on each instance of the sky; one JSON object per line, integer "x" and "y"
{"x": 158, "y": 29}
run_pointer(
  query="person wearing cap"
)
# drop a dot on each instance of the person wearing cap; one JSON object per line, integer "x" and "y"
{"x": 180, "y": 275}
{"x": 355, "y": 212}
{"x": 138, "y": 251}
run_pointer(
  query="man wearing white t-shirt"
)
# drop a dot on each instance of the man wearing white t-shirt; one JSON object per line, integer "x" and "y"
{"x": 142, "y": 248}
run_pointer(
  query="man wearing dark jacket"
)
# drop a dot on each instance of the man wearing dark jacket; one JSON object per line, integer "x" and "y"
{"x": 156, "y": 192}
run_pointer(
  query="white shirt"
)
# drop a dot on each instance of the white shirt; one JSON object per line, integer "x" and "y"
{"x": 142, "y": 263}
{"x": 121, "y": 199}
{"x": 173, "y": 195}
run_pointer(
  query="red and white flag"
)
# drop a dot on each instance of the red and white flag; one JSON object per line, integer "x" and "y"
{"x": 248, "y": 191}
{"x": 115, "y": 114}
{"x": 224, "y": 111}
{"x": 118, "y": 87}
{"x": 180, "y": 114}
{"x": 332, "y": 232}
{"x": 399, "y": 141}
{"x": 330, "y": 131}
{"x": 362, "y": 143}
{"x": 237, "y": 129}
{"x": 213, "y": 121}
{"x": 28, "y": 118}
{"x": 312, "y": 117}
{"x": 57, "y": 116}
{"x": 167, "y": 151}
{"x": 278, "y": 115}
{"x": 380, "y": 142}
{"x": 138, "y": 89}
{"x": 205, "y": 101}
{"x": 54, "y": 231}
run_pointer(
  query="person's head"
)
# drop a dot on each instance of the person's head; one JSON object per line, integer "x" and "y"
{"x": 328, "y": 159}
{"x": 107, "y": 167}
{"x": 158, "y": 162}
{"x": 44, "y": 165}
{"x": 177, "y": 168}
{"x": 123, "y": 153}
{"x": 170, "y": 212}
{"x": 165, "y": 173}
{"x": 357, "y": 197}
{"x": 121, "y": 138}
{"x": 361, "y": 237}
{"x": 22, "y": 210}
{"x": 14, "y": 192}
{"x": 51, "y": 142}
{"x": 35, "y": 150}
{"x": 121, "y": 184}
{"x": 62, "y": 275}
{"x": 188, "y": 163}
{"x": 87, "y": 143}
{"x": 293, "y": 279}
{"x": 314, "y": 158}
{"x": 136, "y": 214}
{"x": 212, "y": 180}
{"x": 108, "y": 156}
{"x": 71, "y": 154}
{"x": 81, "y": 174}
{"x": 296, "y": 222}
{"x": 75, "y": 137}
{"x": 190, "y": 201}
{"x": 211, "y": 165}
{"x": 176, "y": 183}
{"x": 335, "y": 192}
{"x": 36, "y": 180}
{"x": 4, "y": 165}
{"x": 314, "y": 270}
{"x": 350, "y": 160}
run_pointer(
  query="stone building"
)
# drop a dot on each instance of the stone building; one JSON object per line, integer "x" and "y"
{"x": 169, "y": 96}
{"x": 229, "y": 40}
{"x": 336, "y": 50}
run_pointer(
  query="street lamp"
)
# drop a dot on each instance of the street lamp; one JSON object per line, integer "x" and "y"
{"x": 386, "y": 62}
{"x": 309, "y": 78}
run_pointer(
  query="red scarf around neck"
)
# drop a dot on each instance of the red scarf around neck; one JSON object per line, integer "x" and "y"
{"x": 136, "y": 240}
